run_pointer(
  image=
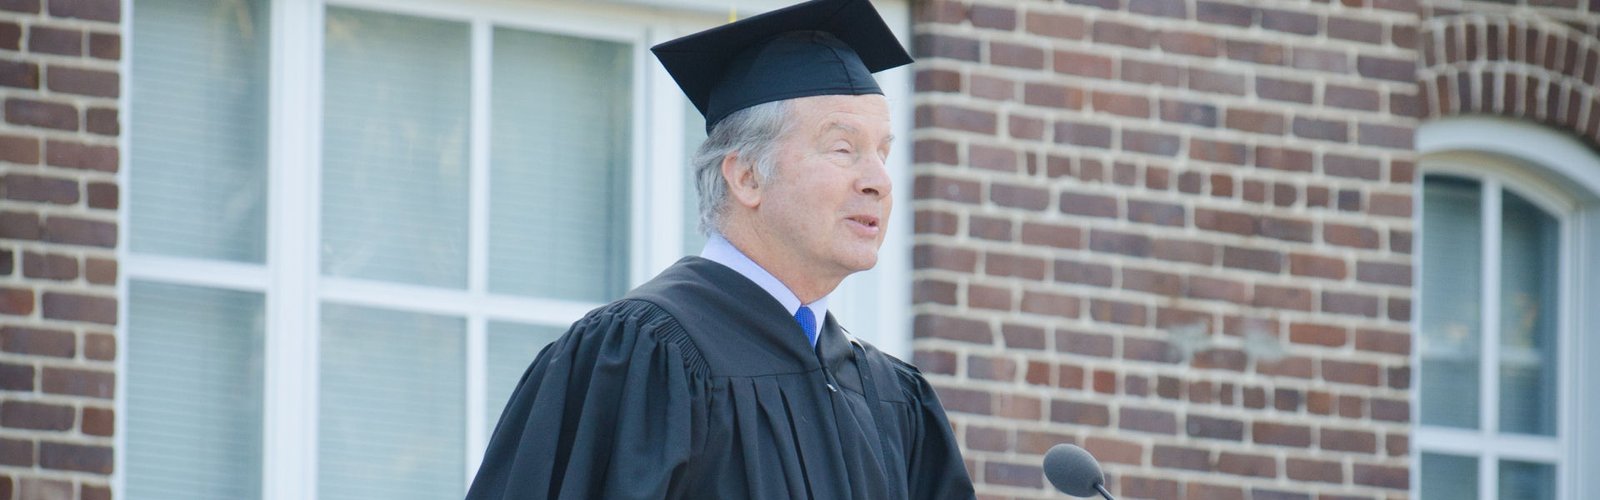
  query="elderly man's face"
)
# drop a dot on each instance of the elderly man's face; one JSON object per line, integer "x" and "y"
{"x": 829, "y": 204}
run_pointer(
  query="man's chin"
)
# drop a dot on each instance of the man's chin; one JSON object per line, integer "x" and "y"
{"x": 861, "y": 263}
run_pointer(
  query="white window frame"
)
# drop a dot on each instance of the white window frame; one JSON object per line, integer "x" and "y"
{"x": 1561, "y": 176}
{"x": 876, "y": 304}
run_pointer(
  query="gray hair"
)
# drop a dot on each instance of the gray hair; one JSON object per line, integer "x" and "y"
{"x": 753, "y": 132}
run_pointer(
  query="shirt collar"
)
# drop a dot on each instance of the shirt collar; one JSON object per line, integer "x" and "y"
{"x": 721, "y": 251}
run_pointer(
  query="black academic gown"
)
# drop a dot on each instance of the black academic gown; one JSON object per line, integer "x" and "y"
{"x": 699, "y": 385}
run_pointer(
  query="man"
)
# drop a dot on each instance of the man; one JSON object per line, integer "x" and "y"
{"x": 715, "y": 379}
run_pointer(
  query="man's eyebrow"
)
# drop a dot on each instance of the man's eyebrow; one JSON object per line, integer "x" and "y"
{"x": 837, "y": 125}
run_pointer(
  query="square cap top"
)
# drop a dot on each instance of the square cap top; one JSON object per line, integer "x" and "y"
{"x": 819, "y": 47}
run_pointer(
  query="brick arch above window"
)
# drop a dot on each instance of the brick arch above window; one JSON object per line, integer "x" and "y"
{"x": 1514, "y": 65}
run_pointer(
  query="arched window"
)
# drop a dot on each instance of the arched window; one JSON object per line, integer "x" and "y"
{"x": 1507, "y": 312}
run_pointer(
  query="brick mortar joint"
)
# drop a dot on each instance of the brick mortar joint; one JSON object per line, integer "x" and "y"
{"x": 44, "y": 135}
{"x": 43, "y": 93}
{"x": 72, "y": 436}
{"x": 1186, "y": 232}
{"x": 1181, "y": 270}
{"x": 38, "y": 473}
{"x": 1246, "y": 444}
{"x": 1292, "y": 349}
{"x": 44, "y": 17}
{"x": 1180, "y": 166}
{"x": 1250, "y": 377}
{"x": 77, "y": 362}
{"x": 81, "y": 211}
{"x": 1157, "y": 91}
{"x": 1220, "y": 32}
{"x": 76, "y": 405}
{"x": 1183, "y": 409}
{"x": 45, "y": 170}
{"x": 1055, "y": 187}
{"x": 1249, "y": 483}
{"x": 1282, "y": 279}
{"x": 1022, "y": 37}
{"x": 1245, "y": 139}
{"x": 1155, "y": 301}
{"x": 1385, "y": 88}
{"x": 37, "y": 319}
{"x": 1160, "y": 23}
{"x": 80, "y": 252}
{"x": 1185, "y": 372}
{"x": 1118, "y": 126}
{"x": 81, "y": 61}
{"x": 1250, "y": 374}
{"x": 79, "y": 285}
{"x": 1381, "y": 430}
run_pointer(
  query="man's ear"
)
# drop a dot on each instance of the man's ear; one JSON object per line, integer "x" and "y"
{"x": 744, "y": 186}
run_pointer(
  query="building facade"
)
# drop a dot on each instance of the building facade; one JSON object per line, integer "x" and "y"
{"x": 1237, "y": 250}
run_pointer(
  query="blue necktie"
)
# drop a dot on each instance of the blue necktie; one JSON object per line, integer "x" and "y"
{"x": 808, "y": 322}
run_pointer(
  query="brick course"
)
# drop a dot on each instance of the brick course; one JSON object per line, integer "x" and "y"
{"x": 59, "y": 85}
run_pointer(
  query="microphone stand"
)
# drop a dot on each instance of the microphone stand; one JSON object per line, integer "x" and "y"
{"x": 1102, "y": 489}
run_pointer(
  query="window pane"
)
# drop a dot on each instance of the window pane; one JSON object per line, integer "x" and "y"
{"x": 396, "y": 104}
{"x": 194, "y": 392}
{"x": 1452, "y": 264}
{"x": 1529, "y": 275}
{"x": 560, "y": 155}
{"x": 512, "y": 347}
{"x": 393, "y": 414}
{"x": 198, "y": 129}
{"x": 694, "y": 133}
{"x": 1449, "y": 477}
{"x": 1527, "y": 481}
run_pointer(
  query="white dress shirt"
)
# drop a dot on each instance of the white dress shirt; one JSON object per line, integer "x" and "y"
{"x": 721, "y": 251}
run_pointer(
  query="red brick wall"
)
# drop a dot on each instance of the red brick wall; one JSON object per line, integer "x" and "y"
{"x": 1178, "y": 233}
{"x": 58, "y": 233}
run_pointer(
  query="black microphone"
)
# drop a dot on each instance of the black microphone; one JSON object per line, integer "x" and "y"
{"x": 1074, "y": 471}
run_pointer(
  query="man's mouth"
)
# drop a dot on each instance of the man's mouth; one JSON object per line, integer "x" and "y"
{"x": 865, "y": 220}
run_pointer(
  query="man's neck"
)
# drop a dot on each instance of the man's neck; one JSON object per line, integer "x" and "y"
{"x": 807, "y": 284}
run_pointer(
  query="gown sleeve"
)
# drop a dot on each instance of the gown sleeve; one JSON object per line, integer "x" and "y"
{"x": 607, "y": 411}
{"x": 936, "y": 468}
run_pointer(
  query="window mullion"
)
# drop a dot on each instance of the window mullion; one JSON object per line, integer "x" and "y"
{"x": 1419, "y": 267}
{"x": 291, "y": 360}
{"x": 1566, "y": 356}
{"x": 1489, "y": 336}
{"x": 478, "y": 246}
{"x": 642, "y": 214}
{"x": 478, "y": 197}
{"x": 196, "y": 272}
{"x": 664, "y": 108}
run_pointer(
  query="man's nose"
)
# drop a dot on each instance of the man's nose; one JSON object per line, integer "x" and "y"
{"x": 874, "y": 180}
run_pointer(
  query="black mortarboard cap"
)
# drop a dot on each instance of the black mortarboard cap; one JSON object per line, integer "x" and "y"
{"x": 820, "y": 47}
